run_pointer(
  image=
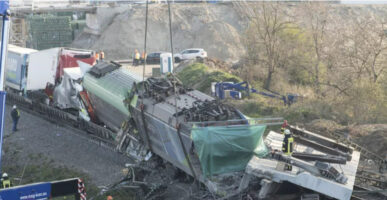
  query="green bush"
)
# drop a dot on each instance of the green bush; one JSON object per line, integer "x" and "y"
{"x": 193, "y": 73}
{"x": 310, "y": 109}
{"x": 366, "y": 103}
{"x": 200, "y": 77}
{"x": 257, "y": 106}
{"x": 299, "y": 76}
{"x": 301, "y": 114}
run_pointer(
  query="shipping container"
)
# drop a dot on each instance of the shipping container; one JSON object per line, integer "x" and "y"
{"x": 16, "y": 66}
{"x": 46, "y": 66}
{"x": 42, "y": 68}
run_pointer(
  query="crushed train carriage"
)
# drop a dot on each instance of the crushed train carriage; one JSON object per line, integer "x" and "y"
{"x": 206, "y": 138}
{"x": 173, "y": 132}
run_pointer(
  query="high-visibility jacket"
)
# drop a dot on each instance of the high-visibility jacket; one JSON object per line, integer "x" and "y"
{"x": 287, "y": 144}
{"x": 6, "y": 183}
{"x": 143, "y": 55}
{"x": 15, "y": 114}
{"x": 102, "y": 55}
{"x": 97, "y": 56}
{"x": 137, "y": 56}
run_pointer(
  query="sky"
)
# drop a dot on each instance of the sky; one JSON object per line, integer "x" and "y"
{"x": 364, "y": 1}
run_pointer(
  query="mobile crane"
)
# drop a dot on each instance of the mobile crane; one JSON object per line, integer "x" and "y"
{"x": 219, "y": 90}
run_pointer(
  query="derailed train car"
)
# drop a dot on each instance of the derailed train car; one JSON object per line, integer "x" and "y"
{"x": 211, "y": 141}
{"x": 107, "y": 86}
{"x": 191, "y": 130}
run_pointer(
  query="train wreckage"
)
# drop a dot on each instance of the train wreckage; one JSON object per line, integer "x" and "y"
{"x": 211, "y": 141}
{"x": 208, "y": 139}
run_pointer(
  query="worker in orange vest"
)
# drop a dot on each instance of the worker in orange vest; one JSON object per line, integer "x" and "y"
{"x": 101, "y": 55}
{"x": 97, "y": 57}
{"x": 143, "y": 57}
{"x": 136, "y": 59}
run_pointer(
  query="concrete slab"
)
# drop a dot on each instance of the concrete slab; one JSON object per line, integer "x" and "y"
{"x": 266, "y": 168}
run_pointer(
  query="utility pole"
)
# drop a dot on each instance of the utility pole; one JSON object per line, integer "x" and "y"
{"x": 5, "y": 14}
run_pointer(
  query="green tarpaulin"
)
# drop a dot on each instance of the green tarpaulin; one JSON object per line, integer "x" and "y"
{"x": 223, "y": 149}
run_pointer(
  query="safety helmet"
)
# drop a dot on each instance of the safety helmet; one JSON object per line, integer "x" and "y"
{"x": 109, "y": 198}
{"x": 5, "y": 175}
{"x": 14, "y": 106}
{"x": 287, "y": 132}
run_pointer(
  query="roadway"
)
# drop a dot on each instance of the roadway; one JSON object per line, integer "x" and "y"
{"x": 64, "y": 146}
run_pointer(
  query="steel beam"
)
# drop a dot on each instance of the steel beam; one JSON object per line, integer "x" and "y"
{"x": 320, "y": 147}
{"x": 318, "y": 157}
{"x": 321, "y": 140}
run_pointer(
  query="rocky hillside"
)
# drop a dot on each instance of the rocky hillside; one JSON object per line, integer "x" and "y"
{"x": 216, "y": 28}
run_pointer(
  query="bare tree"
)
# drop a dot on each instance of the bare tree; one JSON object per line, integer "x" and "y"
{"x": 264, "y": 43}
{"x": 369, "y": 46}
{"x": 314, "y": 17}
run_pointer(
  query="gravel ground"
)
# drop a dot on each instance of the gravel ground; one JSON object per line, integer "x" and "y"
{"x": 64, "y": 146}
{"x": 139, "y": 69}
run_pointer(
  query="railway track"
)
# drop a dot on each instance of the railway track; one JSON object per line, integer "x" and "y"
{"x": 375, "y": 177}
{"x": 364, "y": 152}
{"x": 363, "y": 193}
{"x": 97, "y": 134}
{"x": 370, "y": 178}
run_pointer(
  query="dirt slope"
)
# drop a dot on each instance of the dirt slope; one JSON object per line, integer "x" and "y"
{"x": 216, "y": 28}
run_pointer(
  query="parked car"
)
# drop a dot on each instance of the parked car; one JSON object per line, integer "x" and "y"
{"x": 153, "y": 58}
{"x": 190, "y": 54}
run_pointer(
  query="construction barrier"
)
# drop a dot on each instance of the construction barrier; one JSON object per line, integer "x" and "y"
{"x": 48, "y": 31}
{"x": 46, "y": 190}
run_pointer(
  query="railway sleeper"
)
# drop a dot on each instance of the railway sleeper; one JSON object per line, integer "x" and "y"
{"x": 365, "y": 153}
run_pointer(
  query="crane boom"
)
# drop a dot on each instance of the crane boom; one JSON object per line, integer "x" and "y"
{"x": 5, "y": 14}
